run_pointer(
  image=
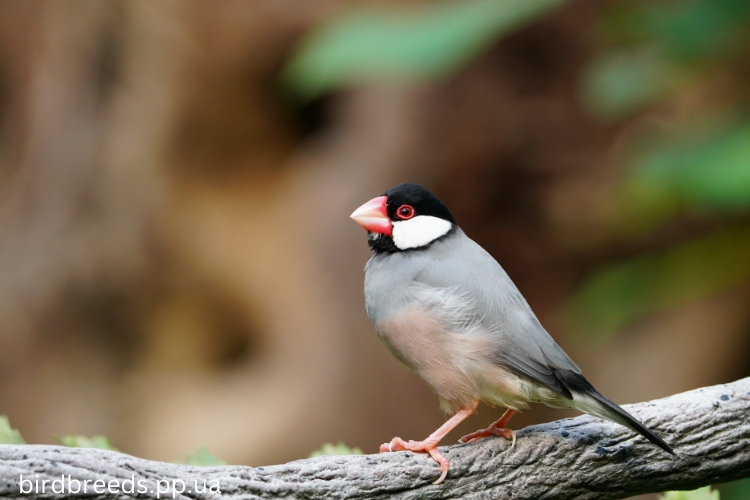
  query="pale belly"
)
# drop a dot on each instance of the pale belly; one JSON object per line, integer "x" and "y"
{"x": 458, "y": 367}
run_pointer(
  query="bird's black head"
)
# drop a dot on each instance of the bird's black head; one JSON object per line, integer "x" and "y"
{"x": 419, "y": 198}
{"x": 406, "y": 217}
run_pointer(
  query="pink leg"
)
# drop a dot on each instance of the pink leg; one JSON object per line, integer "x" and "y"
{"x": 496, "y": 429}
{"x": 429, "y": 445}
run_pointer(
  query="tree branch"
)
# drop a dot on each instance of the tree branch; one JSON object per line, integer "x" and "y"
{"x": 581, "y": 458}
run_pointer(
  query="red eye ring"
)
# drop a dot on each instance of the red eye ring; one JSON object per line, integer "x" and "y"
{"x": 405, "y": 212}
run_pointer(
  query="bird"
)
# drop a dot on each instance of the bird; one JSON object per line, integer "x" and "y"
{"x": 449, "y": 312}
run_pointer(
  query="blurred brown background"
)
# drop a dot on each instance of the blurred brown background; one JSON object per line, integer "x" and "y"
{"x": 178, "y": 266}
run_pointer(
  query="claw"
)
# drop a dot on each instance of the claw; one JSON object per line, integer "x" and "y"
{"x": 395, "y": 444}
{"x": 490, "y": 431}
{"x": 443, "y": 474}
{"x": 426, "y": 446}
{"x": 512, "y": 438}
{"x": 444, "y": 463}
{"x": 429, "y": 445}
{"x": 507, "y": 434}
{"x": 496, "y": 429}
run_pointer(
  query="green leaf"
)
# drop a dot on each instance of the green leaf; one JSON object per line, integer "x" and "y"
{"x": 663, "y": 46}
{"x": 699, "y": 28}
{"x": 619, "y": 83}
{"x": 335, "y": 449}
{"x": 9, "y": 435}
{"x": 620, "y": 294}
{"x": 386, "y": 43}
{"x": 75, "y": 441}
{"x": 687, "y": 31}
{"x": 714, "y": 171}
{"x": 736, "y": 490}
{"x": 704, "y": 493}
{"x": 203, "y": 458}
{"x": 706, "y": 165}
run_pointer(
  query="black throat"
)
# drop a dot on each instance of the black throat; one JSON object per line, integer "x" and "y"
{"x": 381, "y": 243}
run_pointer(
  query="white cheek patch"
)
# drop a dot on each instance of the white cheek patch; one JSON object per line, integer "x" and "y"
{"x": 419, "y": 231}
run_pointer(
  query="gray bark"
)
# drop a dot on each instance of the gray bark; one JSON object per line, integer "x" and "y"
{"x": 581, "y": 458}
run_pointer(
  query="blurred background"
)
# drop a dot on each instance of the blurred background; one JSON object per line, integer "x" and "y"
{"x": 178, "y": 265}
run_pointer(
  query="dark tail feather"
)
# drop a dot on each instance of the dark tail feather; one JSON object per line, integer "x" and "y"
{"x": 575, "y": 382}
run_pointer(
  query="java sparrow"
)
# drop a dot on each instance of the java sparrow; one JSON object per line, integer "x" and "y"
{"x": 447, "y": 310}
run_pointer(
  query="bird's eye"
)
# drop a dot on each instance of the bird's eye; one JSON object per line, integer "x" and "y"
{"x": 405, "y": 212}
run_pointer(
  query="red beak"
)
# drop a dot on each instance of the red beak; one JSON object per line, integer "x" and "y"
{"x": 373, "y": 216}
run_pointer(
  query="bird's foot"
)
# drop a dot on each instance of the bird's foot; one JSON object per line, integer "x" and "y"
{"x": 426, "y": 446}
{"x": 490, "y": 431}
